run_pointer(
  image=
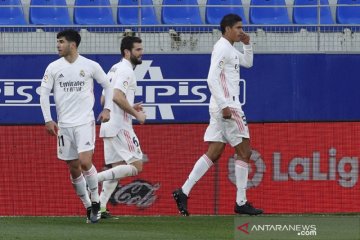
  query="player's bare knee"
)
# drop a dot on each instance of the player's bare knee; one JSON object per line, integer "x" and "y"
{"x": 214, "y": 157}
{"x": 138, "y": 165}
{"x": 139, "y": 168}
{"x": 86, "y": 166}
{"x": 244, "y": 155}
{"x": 74, "y": 167}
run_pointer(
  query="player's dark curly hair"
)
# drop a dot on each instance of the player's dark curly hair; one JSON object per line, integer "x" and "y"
{"x": 229, "y": 20}
{"x": 70, "y": 35}
{"x": 128, "y": 43}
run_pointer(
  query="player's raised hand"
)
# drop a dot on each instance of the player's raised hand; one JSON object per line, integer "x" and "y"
{"x": 104, "y": 116}
{"x": 138, "y": 107}
{"x": 244, "y": 37}
{"x": 51, "y": 128}
{"x": 141, "y": 117}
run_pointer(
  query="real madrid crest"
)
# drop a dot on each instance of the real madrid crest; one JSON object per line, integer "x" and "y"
{"x": 125, "y": 84}
{"x": 82, "y": 73}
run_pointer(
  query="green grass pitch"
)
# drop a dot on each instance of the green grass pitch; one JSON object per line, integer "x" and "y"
{"x": 328, "y": 227}
{"x": 123, "y": 227}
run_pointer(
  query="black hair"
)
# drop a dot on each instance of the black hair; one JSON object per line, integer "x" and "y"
{"x": 128, "y": 43}
{"x": 229, "y": 20}
{"x": 70, "y": 35}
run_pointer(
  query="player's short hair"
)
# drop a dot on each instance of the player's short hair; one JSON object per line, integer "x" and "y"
{"x": 229, "y": 20}
{"x": 70, "y": 35}
{"x": 128, "y": 43}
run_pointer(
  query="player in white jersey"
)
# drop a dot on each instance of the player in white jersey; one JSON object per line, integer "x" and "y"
{"x": 227, "y": 120}
{"x": 121, "y": 146}
{"x": 72, "y": 80}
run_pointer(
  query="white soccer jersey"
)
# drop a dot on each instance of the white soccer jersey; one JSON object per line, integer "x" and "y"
{"x": 73, "y": 88}
{"x": 224, "y": 74}
{"x": 122, "y": 78}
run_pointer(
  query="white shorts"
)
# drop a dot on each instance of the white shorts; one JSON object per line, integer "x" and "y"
{"x": 125, "y": 146}
{"x": 230, "y": 131}
{"x": 73, "y": 140}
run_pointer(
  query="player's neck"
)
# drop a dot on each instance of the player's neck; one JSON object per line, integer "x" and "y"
{"x": 72, "y": 57}
{"x": 227, "y": 38}
{"x": 129, "y": 60}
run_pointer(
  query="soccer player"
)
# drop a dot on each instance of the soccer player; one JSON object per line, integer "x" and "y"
{"x": 227, "y": 120}
{"x": 121, "y": 146}
{"x": 72, "y": 80}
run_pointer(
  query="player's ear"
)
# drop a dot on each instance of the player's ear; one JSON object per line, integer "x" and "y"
{"x": 227, "y": 29}
{"x": 127, "y": 52}
{"x": 73, "y": 45}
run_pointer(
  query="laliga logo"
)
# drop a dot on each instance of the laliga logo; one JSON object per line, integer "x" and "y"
{"x": 257, "y": 174}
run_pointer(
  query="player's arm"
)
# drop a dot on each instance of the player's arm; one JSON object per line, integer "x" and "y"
{"x": 102, "y": 100}
{"x": 246, "y": 58}
{"x": 137, "y": 106}
{"x": 214, "y": 81}
{"x": 45, "y": 90}
{"x": 121, "y": 86}
{"x": 122, "y": 102}
{"x": 101, "y": 77}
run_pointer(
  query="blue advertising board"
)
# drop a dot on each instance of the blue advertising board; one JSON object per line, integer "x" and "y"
{"x": 173, "y": 88}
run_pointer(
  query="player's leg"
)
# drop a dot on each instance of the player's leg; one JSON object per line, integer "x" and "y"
{"x": 67, "y": 151}
{"x": 126, "y": 159}
{"x": 243, "y": 152}
{"x": 108, "y": 187}
{"x": 85, "y": 142}
{"x": 202, "y": 165}
{"x": 78, "y": 182}
{"x": 90, "y": 174}
{"x": 121, "y": 171}
{"x": 124, "y": 147}
{"x": 237, "y": 134}
{"x": 132, "y": 168}
{"x": 214, "y": 137}
{"x": 110, "y": 179}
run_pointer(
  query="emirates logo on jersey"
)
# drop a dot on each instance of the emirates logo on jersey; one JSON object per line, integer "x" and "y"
{"x": 82, "y": 73}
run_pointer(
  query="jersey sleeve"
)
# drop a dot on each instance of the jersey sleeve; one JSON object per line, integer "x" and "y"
{"x": 122, "y": 80}
{"x": 246, "y": 58}
{"x": 48, "y": 78}
{"x": 103, "y": 79}
{"x": 47, "y": 84}
{"x": 218, "y": 58}
{"x": 100, "y": 76}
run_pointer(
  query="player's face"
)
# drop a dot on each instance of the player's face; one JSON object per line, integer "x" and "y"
{"x": 136, "y": 54}
{"x": 235, "y": 32}
{"x": 63, "y": 47}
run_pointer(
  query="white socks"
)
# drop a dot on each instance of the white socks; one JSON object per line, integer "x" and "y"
{"x": 92, "y": 183}
{"x": 241, "y": 175}
{"x": 80, "y": 189}
{"x": 108, "y": 188}
{"x": 200, "y": 168}
{"x": 117, "y": 172}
